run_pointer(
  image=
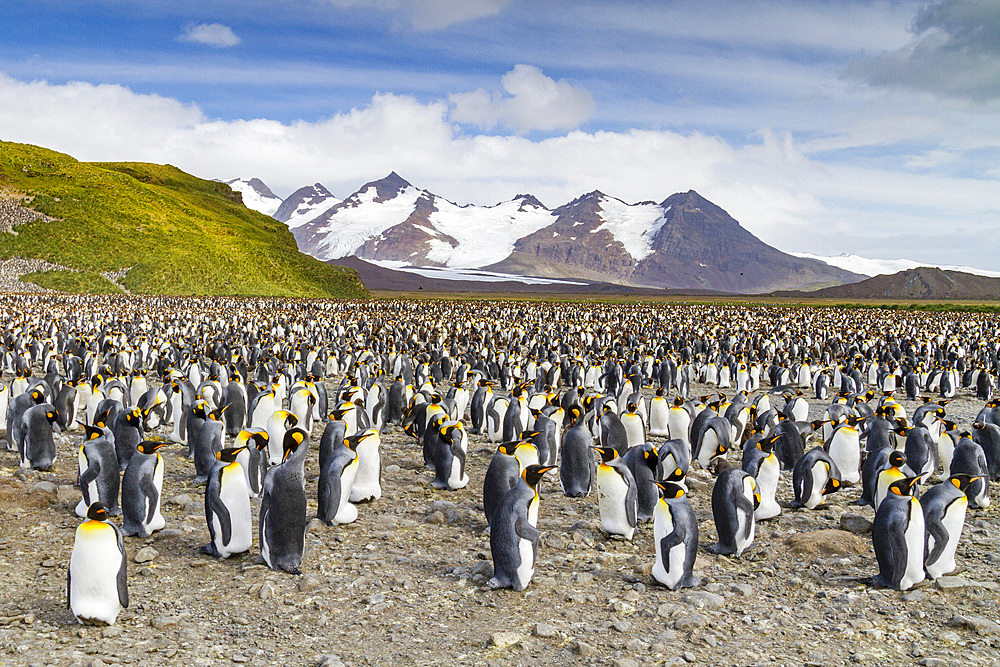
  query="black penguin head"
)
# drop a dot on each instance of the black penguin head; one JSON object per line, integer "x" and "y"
{"x": 670, "y": 490}
{"x": 294, "y": 437}
{"x": 341, "y": 411}
{"x": 961, "y": 481}
{"x": 896, "y": 458}
{"x": 37, "y": 396}
{"x": 352, "y": 441}
{"x": 507, "y": 448}
{"x": 676, "y": 475}
{"x": 632, "y": 407}
{"x": 533, "y": 474}
{"x": 216, "y": 415}
{"x": 97, "y": 512}
{"x": 92, "y": 432}
{"x": 608, "y": 454}
{"x": 904, "y": 487}
{"x": 52, "y": 415}
{"x": 529, "y": 435}
{"x": 651, "y": 458}
{"x": 149, "y": 446}
{"x": 574, "y": 412}
{"x": 832, "y": 485}
{"x": 767, "y": 445}
{"x": 447, "y": 431}
{"x": 228, "y": 455}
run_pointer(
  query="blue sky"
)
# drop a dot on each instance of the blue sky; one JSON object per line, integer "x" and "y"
{"x": 823, "y": 126}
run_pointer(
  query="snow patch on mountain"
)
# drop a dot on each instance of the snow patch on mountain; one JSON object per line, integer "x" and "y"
{"x": 633, "y": 225}
{"x": 360, "y": 218}
{"x": 469, "y": 274}
{"x": 485, "y": 234}
{"x": 256, "y": 195}
{"x": 878, "y": 267}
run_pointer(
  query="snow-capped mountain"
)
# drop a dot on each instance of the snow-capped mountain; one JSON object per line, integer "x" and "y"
{"x": 684, "y": 241}
{"x": 256, "y": 195}
{"x": 304, "y": 205}
{"x": 880, "y": 267}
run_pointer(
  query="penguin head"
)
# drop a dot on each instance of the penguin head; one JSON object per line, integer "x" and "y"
{"x": 832, "y": 485}
{"x": 651, "y": 458}
{"x": 904, "y": 487}
{"x": 608, "y": 454}
{"x": 961, "y": 481}
{"x": 352, "y": 441}
{"x": 897, "y": 458}
{"x": 92, "y": 432}
{"x": 507, "y": 448}
{"x": 767, "y": 445}
{"x": 676, "y": 476}
{"x": 532, "y": 475}
{"x": 294, "y": 437}
{"x": 52, "y": 415}
{"x": 573, "y": 412}
{"x": 228, "y": 455}
{"x": 670, "y": 490}
{"x": 149, "y": 446}
{"x": 216, "y": 415}
{"x": 97, "y": 512}
{"x": 529, "y": 435}
{"x": 37, "y": 396}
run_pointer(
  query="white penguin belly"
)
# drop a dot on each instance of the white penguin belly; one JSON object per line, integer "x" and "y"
{"x": 946, "y": 450}
{"x": 236, "y": 497}
{"x": 678, "y": 422}
{"x": 611, "y": 499}
{"x": 366, "y": 481}
{"x": 914, "y": 536}
{"x": 819, "y": 480}
{"x": 93, "y": 568}
{"x": 709, "y": 447}
{"x": 633, "y": 431}
{"x": 346, "y": 512}
{"x": 526, "y": 568}
{"x": 158, "y": 521}
{"x": 669, "y": 574}
{"x": 845, "y": 450}
{"x": 767, "y": 486}
{"x": 457, "y": 479}
{"x": 744, "y": 539}
{"x": 953, "y": 521}
{"x": 659, "y": 418}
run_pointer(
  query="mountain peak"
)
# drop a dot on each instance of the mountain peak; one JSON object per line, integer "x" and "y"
{"x": 386, "y": 188}
{"x": 304, "y": 204}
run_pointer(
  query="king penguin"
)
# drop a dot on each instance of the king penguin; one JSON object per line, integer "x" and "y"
{"x": 142, "y": 486}
{"x": 944, "y": 507}
{"x": 814, "y": 476}
{"x": 734, "y": 499}
{"x": 514, "y": 536}
{"x": 659, "y": 415}
{"x": 335, "y": 482}
{"x": 898, "y": 537}
{"x": 96, "y": 585}
{"x": 227, "y": 507}
{"x": 98, "y": 472}
{"x": 577, "y": 469}
{"x": 675, "y": 538}
{"x": 282, "y": 525}
{"x": 616, "y": 495}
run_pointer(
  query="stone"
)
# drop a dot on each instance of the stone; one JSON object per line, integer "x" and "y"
{"x": 330, "y": 660}
{"x": 436, "y": 518}
{"x": 145, "y": 555}
{"x": 308, "y": 584}
{"x": 855, "y": 523}
{"x": 828, "y": 542}
{"x": 625, "y": 662}
{"x": 980, "y": 624}
{"x": 504, "y": 640}
{"x": 704, "y": 599}
{"x": 111, "y": 632}
{"x": 391, "y": 469}
{"x": 45, "y": 488}
{"x": 583, "y": 649}
{"x": 67, "y": 494}
{"x": 266, "y": 591}
{"x": 182, "y": 500}
{"x": 952, "y": 583}
{"x": 621, "y": 626}
{"x": 690, "y": 622}
{"x": 544, "y": 630}
{"x": 744, "y": 590}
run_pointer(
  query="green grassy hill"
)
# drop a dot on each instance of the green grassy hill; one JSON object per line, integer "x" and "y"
{"x": 180, "y": 235}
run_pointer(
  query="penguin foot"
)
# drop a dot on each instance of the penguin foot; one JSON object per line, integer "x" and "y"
{"x": 209, "y": 550}
{"x": 721, "y": 549}
{"x": 494, "y": 584}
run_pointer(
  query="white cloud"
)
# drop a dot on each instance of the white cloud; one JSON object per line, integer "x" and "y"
{"x": 533, "y": 101}
{"x": 211, "y": 34}
{"x": 430, "y": 15}
{"x": 771, "y": 185}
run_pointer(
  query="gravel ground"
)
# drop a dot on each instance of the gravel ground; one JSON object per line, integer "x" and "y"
{"x": 405, "y": 584}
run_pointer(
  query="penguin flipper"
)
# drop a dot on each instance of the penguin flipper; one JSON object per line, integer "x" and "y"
{"x": 897, "y": 549}
{"x": 88, "y": 476}
{"x": 743, "y": 504}
{"x": 221, "y": 512}
{"x": 525, "y": 530}
{"x": 122, "y": 573}
{"x": 149, "y": 490}
{"x": 936, "y": 530}
{"x": 69, "y": 588}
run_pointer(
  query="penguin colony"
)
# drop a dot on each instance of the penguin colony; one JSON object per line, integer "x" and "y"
{"x": 601, "y": 401}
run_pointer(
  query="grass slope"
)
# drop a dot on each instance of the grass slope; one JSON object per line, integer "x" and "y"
{"x": 180, "y": 235}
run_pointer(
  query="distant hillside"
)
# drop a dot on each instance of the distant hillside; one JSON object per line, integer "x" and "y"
{"x": 169, "y": 232}
{"x": 920, "y": 283}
